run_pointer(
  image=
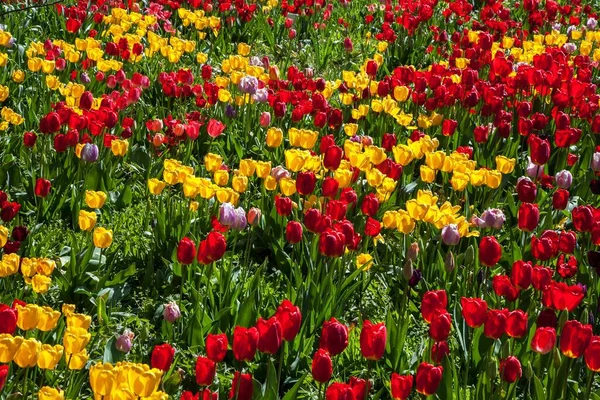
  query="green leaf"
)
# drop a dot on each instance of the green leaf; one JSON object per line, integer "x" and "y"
{"x": 271, "y": 389}
{"x": 539, "y": 388}
{"x": 292, "y": 394}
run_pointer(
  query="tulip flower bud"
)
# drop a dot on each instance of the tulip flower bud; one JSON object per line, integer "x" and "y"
{"x": 449, "y": 262}
{"x": 413, "y": 252}
{"x": 124, "y": 342}
{"x": 407, "y": 270}
{"x": 469, "y": 256}
{"x": 265, "y": 119}
{"x": 563, "y": 319}
{"x": 171, "y": 312}
{"x": 556, "y": 358}
{"x": 416, "y": 278}
{"x": 505, "y": 350}
{"x": 254, "y": 215}
{"x": 528, "y": 372}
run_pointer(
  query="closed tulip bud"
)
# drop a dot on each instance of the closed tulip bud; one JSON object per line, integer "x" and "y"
{"x": 322, "y": 367}
{"x": 528, "y": 371}
{"x": 89, "y": 153}
{"x": 469, "y": 255}
{"x": 102, "y": 237}
{"x": 556, "y": 358}
{"x": 205, "y": 371}
{"x": 449, "y": 262}
{"x": 241, "y": 386}
{"x": 564, "y": 179}
{"x": 490, "y": 251}
{"x": 510, "y": 369}
{"x": 186, "y": 251}
{"x": 334, "y": 337}
{"x": 124, "y": 342}
{"x": 42, "y": 187}
{"x": 265, "y": 119}
{"x": 492, "y": 369}
{"x": 293, "y": 232}
{"x": 413, "y": 252}
{"x": 245, "y": 341}
{"x": 450, "y": 235}
{"x": 401, "y": 386}
{"x": 171, "y": 312}
{"x": 254, "y": 216}
{"x": 428, "y": 378}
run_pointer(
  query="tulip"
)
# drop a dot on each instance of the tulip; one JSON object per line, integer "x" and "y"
{"x": 171, "y": 312}
{"x": 27, "y": 316}
{"x": 87, "y": 220}
{"x": 269, "y": 335}
{"x": 95, "y": 199}
{"x": 212, "y": 248}
{"x": 428, "y": 378}
{"x": 205, "y": 371}
{"x": 322, "y": 367}
{"x": 339, "y": 391}
{"x": 440, "y": 326}
{"x": 9, "y": 346}
{"x": 216, "y": 347}
{"x": 48, "y": 393}
{"x": 521, "y": 274}
{"x": 372, "y": 340}
{"x": 401, "y": 386}
{"x": 575, "y": 338}
{"x": 592, "y": 355}
{"x": 245, "y": 342}
{"x": 49, "y": 356}
{"x": 450, "y": 235}
{"x": 102, "y": 237}
{"x": 439, "y": 350}
{"x": 8, "y": 319}
{"x": 293, "y": 232}
{"x": 290, "y": 319}
{"x": 510, "y": 369}
{"x": 265, "y": 119}
{"x": 516, "y": 324}
{"x": 490, "y": 251}
{"x": 495, "y": 323}
{"x": 3, "y": 376}
{"x": 124, "y": 342}
{"x": 241, "y": 386}
{"x": 27, "y": 354}
{"x": 528, "y": 217}
{"x": 526, "y": 190}
{"x": 543, "y": 340}
{"x": 539, "y": 150}
{"x": 254, "y": 215}
{"x": 162, "y": 357}
{"x": 42, "y": 187}
{"x": 89, "y": 153}
{"x": 560, "y": 199}
{"x": 563, "y": 179}
{"x": 334, "y": 337}
{"x": 473, "y": 311}
{"x": 434, "y": 302}
{"x": 595, "y": 163}
{"x": 47, "y": 318}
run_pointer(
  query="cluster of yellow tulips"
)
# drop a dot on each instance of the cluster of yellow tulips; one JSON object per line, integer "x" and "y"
{"x": 126, "y": 381}
{"x": 87, "y": 219}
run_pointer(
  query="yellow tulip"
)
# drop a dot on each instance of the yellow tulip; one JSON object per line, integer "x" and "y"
{"x": 505, "y": 165}
{"x": 427, "y": 174}
{"x": 40, "y": 283}
{"x": 416, "y": 210}
{"x": 75, "y": 320}
{"x": 364, "y": 261}
{"x": 3, "y": 236}
{"x": 68, "y": 309}
{"x": 95, "y": 199}
{"x": 404, "y": 222}
{"x": 49, "y": 356}
{"x": 493, "y": 179}
{"x": 77, "y": 361}
{"x": 156, "y": 186}
{"x": 207, "y": 189}
{"x": 239, "y": 183}
{"x": 9, "y": 345}
{"x": 27, "y": 355}
{"x": 34, "y": 64}
{"x": 191, "y": 186}
{"x": 146, "y": 382}
{"x": 87, "y": 220}
{"x": 4, "y": 92}
{"x": 343, "y": 176}
{"x": 274, "y": 137}
{"x": 247, "y": 167}
{"x": 194, "y": 206}
{"x": 374, "y": 177}
{"x": 170, "y": 176}
{"x": 295, "y": 159}
{"x": 18, "y": 76}
{"x": 350, "y": 129}
{"x": 287, "y": 186}
{"x": 270, "y": 183}
{"x": 157, "y": 396}
{"x": 478, "y": 177}
{"x": 119, "y": 147}
{"x": 75, "y": 339}
{"x": 102, "y": 237}
{"x": 103, "y": 379}
{"x": 48, "y": 318}
{"x": 459, "y": 181}
{"x": 403, "y": 154}
{"x": 221, "y": 177}
{"x": 212, "y": 162}
{"x": 389, "y": 220}
{"x": 48, "y": 393}
{"x": 243, "y": 49}
{"x": 263, "y": 169}
{"x": 28, "y": 316}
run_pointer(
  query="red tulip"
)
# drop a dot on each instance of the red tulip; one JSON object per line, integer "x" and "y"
{"x": 283, "y": 205}
{"x": 516, "y": 324}
{"x": 575, "y": 338}
{"x": 241, "y": 386}
{"x": 428, "y": 378}
{"x": 316, "y": 222}
{"x": 245, "y": 341}
{"x": 504, "y": 287}
{"x": 528, "y": 217}
{"x": 8, "y": 319}
{"x": 560, "y": 199}
{"x": 332, "y": 157}
{"x": 495, "y": 323}
{"x": 372, "y": 227}
{"x": 29, "y": 139}
{"x": 331, "y": 243}
{"x": 162, "y": 357}
{"x": 73, "y": 25}
{"x": 526, "y": 190}
{"x": 372, "y": 340}
{"x": 186, "y": 251}
{"x": 305, "y": 182}
{"x": 510, "y": 369}
{"x": 212, "y": 248}
{"x": 371, "y": 68}
{"x": 336, "y": 210}
{"x": 440, "y": 326}
{"x": 401, "y": 386}
{"x": 42, "y": 187}
{"x": 322, "y": 367}
{"x": 370, "y": 205}
{"x": 433, "y": 303}
{"x": 592, "y": 355}
{"x": 490, "y": 251}
{"x": 334, "y": 337}
{"x": 205, "y": 371}
{"x": 583, "y": 218}
{"x": 543, "y": 340}
{"x": 3, "y": 376}
{"x": 439, "y": 350}
{"x": 473, "y": 311}
{"x": 330, "y": 187}
{"x": 539, "y": 150}
{"x": 216, "y": 346}
{"x": 521, "y": 274}
{"x": 388, "y": 141}
{"x": 290, "y": 318}
{"x": 449, "y": 127}
{"x": 214, "y": 128}
{"x": 541, "y": 277}
{"x": 339, "y": 391}
{"x": 293, "y": 232}
{"x": 561, "y": 296}
{"x": 567, "y": 240}
{"x": 360, "y": 388}
{"x": 269, "y": 335}
{"x": 86, "y": 101}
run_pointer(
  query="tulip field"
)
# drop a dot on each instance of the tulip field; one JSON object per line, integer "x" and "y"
{"x": 299, "y": 199}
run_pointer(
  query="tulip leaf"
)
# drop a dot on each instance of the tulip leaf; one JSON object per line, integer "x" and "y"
{"x": 292, "y": 394}
{"x": 539, "y": 388}
{"x": 270, "y": 389}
